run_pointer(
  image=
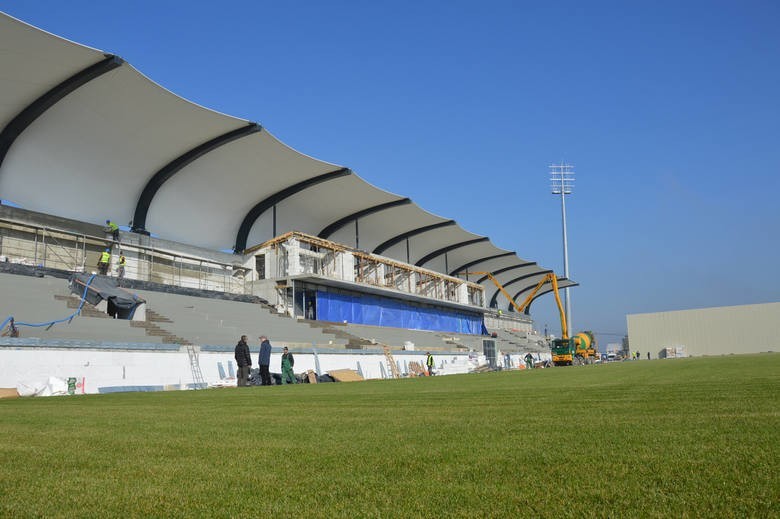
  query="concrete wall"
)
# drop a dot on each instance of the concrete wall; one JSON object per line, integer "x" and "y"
{"x": 126, "y": 367}
{"x": 708, "y": 331}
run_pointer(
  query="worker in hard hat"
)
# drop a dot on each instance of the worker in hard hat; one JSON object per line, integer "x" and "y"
{"x": 113, "y": 229}
{"x": 120, "y": 270}
{"x": 105, "y": 260}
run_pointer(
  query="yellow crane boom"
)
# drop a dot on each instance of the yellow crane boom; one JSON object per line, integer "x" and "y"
{"x": 549, "y": 277}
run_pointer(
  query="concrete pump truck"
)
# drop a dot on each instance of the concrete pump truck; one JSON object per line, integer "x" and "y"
{"x": 566, "y": 351}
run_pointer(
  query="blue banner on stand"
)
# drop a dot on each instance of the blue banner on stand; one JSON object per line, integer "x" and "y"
{"x": 371, "y": 310}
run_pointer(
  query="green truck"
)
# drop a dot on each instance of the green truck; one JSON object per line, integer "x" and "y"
{"x": 578, "y": 350}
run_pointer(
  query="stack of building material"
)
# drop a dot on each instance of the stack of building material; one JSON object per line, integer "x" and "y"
{"x": 345, "y": 375}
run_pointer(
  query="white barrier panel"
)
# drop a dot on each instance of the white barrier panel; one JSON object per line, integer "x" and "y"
{"x": 97, "y": 371}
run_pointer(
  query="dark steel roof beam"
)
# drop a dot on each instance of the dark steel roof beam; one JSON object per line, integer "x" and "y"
{"x": 338, "y": 224}
{"x": 408, "y": 234}
{"x": 169, "y": 170}
{"x": 448, "y": 248}
{"x": 251, "y": 217}
{"x": 38, "y": 107}
{"x": 480, "y": 260}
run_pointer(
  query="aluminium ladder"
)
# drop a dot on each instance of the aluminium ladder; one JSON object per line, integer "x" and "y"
{"x": 197, "y": 374}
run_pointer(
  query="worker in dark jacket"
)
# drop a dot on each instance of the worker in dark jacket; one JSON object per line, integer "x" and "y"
{"x": 264, "y": 361}
{"x": 244, "y": 361}
{"x": 288, "y": 377}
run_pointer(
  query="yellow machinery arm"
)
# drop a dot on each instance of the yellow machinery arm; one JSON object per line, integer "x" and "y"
{"x": 521, "y": 308}
{"x": 499, "y": 286}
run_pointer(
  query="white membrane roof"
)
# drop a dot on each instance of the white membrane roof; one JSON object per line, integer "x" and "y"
{"x": 87, "y": 136}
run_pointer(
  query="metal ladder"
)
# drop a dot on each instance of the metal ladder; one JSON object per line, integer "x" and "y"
{"x": 391, "y": 362}
{"x": 197, "y": 374}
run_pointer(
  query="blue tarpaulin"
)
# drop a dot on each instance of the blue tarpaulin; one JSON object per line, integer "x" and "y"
{"x": 332, "y": 306}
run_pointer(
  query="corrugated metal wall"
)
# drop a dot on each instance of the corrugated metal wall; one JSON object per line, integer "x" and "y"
{"x": 708, "y": 331}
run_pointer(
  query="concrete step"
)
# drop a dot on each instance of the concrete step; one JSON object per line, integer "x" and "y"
{"x": 154, "y": 330}
{"x": 154, "y": 317}
{"x": 87, "y": 310}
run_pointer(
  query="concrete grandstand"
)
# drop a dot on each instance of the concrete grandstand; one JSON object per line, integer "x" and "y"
{"x": 86, "y": 137}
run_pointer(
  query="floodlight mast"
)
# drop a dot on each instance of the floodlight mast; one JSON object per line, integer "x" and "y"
{"x": 562, "y": 183}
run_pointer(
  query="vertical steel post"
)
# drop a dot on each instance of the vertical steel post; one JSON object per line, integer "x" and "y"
{"x": 562, "y": 183}
{"x": 566, "y": 298}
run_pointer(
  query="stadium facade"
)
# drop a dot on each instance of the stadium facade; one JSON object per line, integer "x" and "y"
{"x": 86, "y": 137}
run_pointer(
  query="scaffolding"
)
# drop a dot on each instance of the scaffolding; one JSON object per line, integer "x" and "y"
{"x": 296, "y": 253}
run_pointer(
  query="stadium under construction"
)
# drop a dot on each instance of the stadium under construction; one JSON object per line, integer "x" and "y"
{"x": 224, "y": 231}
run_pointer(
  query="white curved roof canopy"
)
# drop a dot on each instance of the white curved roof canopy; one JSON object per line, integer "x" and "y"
{"x": 87, "y": 136}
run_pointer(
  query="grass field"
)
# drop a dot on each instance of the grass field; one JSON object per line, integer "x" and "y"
{"x": 674, "y": 438}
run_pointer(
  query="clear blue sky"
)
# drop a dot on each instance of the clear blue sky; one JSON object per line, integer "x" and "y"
{"x": 670, "y": 112}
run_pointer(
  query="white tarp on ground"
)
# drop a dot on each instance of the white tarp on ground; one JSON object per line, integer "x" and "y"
{"x": 52, "y": 387}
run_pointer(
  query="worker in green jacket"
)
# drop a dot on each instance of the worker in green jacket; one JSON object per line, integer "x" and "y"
{"x": 113, "y": 229}
{"x": 288, "y": 377}
{"x": 105, "y": 259}
{"x": 429, "y": 363}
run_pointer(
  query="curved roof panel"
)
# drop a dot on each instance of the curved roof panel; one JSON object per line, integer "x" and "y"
{"x": 87, "y": 136}
{"x": 104, "y": 140}
{"x": 33, "y": 62}
{"x": 329, "y": 201}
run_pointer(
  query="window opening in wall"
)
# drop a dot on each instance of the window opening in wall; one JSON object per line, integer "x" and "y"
{"x": 260, "y": 266}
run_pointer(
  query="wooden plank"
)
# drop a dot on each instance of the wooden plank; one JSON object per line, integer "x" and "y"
{"x": 416, "y": 369}
{"x": 312, "y": 376}
{"x": 345, "y": 375}
{"x": 8, "y": 392}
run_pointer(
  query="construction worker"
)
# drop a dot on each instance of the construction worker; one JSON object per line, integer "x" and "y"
{"x": 529, "y": 360}
{"x": 244, "y": 361}
{"x": 264, "y": 361}
{"x": 105, "y": 259}
{"x": 429, "y": 363}
{"x": 120, "y": 270}
{"x": 288, "y": 377}
{"x": 113, "y": 229}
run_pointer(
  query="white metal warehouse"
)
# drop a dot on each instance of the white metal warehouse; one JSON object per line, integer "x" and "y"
{"x": 707, "y": 331}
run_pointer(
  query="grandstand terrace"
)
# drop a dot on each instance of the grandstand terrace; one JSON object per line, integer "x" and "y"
{"x": 229, "y": 232}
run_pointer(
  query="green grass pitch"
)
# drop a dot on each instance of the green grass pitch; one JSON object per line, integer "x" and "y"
{"x": 667, "y": 438}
